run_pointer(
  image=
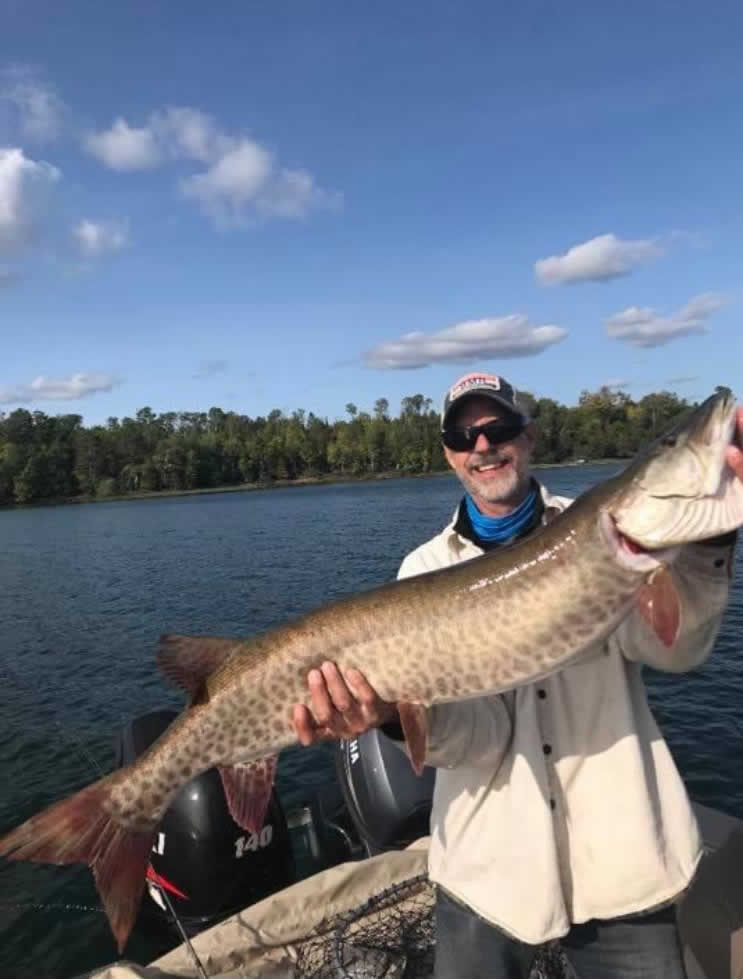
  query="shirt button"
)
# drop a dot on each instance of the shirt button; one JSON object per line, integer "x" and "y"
{"x": 541, "y": 694}
{"x": 552, "y": 803}
{"x": 547, "y": 749}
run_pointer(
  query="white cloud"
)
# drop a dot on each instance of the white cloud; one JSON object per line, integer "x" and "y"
{"x": 123, "y": 147}
{"x": 179, "y": 132}
{"x": 34, "y": 108}
{"x": 598, "y": 260}
{"x": 24, "y": 192}
{"x": 245, "y": 182}
{"x": 80, "y": 385}
{"x": 473, "y": 340}
{"x": 182, "y": 131}
{"x": 96, "y": 237}
{"x": 293, "y": 193}
{"x": 236, "y": 178}
{"x": 242, "y": 180}
{"x": 645, "y": 327}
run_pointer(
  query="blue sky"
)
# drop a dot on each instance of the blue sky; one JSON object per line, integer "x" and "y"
{"x": 289, "y": 205}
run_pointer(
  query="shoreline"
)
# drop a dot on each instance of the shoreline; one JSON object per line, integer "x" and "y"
{"x": 302, "y": 481}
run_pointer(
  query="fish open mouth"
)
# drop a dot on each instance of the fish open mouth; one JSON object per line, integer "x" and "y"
{"x": 630, "y": 545}
{"x": 630, "y": 554}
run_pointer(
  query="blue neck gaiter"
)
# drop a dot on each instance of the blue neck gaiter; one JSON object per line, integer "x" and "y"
{"x": 501, "y": 529}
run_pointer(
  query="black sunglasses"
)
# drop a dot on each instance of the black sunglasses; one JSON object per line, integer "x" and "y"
{"x": 465, "y": 439}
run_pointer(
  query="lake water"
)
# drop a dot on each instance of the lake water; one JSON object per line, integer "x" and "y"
{"x": 85, "y": 591}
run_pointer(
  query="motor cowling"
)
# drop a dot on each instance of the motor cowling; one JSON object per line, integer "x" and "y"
{"x": 209, "y": 866}
{"x": 389, "y": 804}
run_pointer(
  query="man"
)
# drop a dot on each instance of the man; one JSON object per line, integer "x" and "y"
{"x": 558, "y": 811}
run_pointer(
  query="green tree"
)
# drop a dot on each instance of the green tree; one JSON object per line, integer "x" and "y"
{"x": 32, "y": 482}
{"x": 47, "y": 457}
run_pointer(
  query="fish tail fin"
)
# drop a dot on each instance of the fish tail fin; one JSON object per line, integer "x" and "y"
{"x": 80, "y": 830}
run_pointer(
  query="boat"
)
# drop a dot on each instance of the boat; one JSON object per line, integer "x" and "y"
{"x": 246, "y": 907}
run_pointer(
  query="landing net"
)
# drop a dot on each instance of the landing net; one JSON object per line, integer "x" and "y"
{"x": 391, "y": 936}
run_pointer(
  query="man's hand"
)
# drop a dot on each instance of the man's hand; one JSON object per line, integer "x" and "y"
{"x": 342, "y": 707}
{"x": 734, "y": 452}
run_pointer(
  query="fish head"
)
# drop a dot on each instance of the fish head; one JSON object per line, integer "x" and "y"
{"x": 681, "y": 488}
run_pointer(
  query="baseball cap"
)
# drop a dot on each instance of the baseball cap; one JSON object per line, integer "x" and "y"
{"x": 485, "y": 386}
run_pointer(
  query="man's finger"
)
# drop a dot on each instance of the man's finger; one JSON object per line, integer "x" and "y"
{"x": 322, "y": 708}
{"x": 735, "y": 460}
{"x": 363, "y": 691}
{"x": 303, "y": 724}
{"x": 340, "y": 695}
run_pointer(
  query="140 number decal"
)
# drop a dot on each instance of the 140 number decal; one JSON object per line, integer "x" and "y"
{"x": 254, "y": 842}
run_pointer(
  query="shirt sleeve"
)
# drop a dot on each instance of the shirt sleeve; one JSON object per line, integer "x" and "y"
{"x": 475, "y": 733}
{"x": 702, "y": 575}
{"x": 417, "y": 562}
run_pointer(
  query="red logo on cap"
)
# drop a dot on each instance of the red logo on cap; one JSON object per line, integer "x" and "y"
{"x": 474, "y": 380}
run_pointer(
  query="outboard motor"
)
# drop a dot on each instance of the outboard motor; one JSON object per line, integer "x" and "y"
{"x": 389, "y": 804}
{"x": 209, "y": 866}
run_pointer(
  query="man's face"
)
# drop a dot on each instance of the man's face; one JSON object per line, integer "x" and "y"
{"x": 496, "y": 476}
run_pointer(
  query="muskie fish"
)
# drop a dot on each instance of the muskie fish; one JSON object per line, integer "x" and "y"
{"x": 481, "y": 627}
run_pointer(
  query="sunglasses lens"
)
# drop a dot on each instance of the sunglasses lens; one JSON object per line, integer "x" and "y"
{"x": 503, "y": 431}
{"x": 465, "y": 439}
{"x": 457, "y": 439}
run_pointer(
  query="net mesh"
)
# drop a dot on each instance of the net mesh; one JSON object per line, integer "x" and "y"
{"x": 392, "y": 936}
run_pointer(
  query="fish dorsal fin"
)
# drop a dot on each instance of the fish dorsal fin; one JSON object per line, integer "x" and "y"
{"x": 413, "y": 722}
{"x": 658, "y": 603}
{"x": 247, "y": 788}
{"x": 188, "y": 661}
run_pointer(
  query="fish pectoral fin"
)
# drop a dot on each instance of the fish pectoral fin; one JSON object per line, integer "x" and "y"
{"x": 413, "y": 721}
{"x": 247, "y": 788}
{"x": 658, "y": 603}
{"x": 188, "y": 661}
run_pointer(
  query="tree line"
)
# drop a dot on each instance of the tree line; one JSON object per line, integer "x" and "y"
{"x": 45, "y": 457}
